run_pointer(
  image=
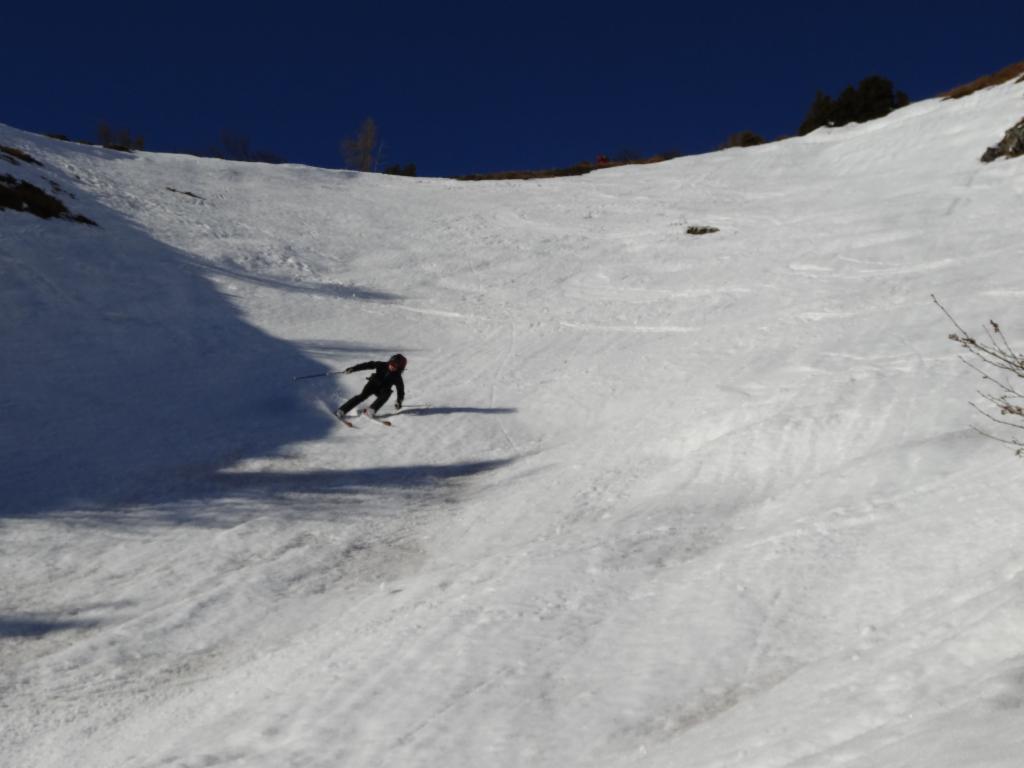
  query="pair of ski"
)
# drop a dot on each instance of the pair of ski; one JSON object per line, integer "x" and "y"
{"x": 384, "y": 421}
{"x": 347, "y": 420}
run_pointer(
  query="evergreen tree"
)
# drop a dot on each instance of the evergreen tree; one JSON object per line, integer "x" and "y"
{"x": 818, "y": 115}
{"x": 874, "y": 97}
{"x": 878, "y": 98}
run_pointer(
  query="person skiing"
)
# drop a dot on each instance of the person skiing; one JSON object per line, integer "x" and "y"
{"x": 385, "y": 377}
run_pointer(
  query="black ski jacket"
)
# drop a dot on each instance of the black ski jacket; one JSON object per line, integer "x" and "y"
{"x": 382, "y": 379}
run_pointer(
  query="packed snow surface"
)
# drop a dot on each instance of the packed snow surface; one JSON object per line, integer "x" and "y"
{"x": 658, "y": 499}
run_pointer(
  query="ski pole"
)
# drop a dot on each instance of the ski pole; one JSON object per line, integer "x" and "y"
{"x": 315, "y": 375}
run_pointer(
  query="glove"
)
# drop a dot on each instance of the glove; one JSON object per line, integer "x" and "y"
{"x": 348, "y": 370}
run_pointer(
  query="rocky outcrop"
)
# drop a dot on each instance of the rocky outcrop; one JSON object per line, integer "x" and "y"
{"x": 1012, "y": 145}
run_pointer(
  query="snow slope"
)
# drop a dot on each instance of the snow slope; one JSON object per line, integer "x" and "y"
{"x": 668, "y": 500}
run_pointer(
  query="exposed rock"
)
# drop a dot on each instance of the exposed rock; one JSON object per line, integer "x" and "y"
{"x": 1012, "y": 145}
{"x": 13, "y": 155}
{"x": 18, "y": 195}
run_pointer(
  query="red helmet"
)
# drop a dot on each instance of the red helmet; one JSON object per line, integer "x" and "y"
{"x": 398, "y": 361}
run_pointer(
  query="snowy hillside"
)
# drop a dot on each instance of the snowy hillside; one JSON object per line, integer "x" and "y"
{"x": 664, "y": 499}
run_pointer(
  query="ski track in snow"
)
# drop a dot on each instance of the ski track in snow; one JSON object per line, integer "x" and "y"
{"x": 711, "y": 501}
{"x": 627, "y": 328}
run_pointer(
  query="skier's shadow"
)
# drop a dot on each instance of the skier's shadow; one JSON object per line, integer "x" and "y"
{"x": 448, "y": 410}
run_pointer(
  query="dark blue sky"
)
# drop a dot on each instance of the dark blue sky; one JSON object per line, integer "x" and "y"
{"x": 460, "y": 87}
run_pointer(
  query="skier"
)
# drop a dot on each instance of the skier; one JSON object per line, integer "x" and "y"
{"x": 385, "y": 376}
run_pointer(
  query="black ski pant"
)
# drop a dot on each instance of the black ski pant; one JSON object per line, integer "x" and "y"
{"x": 370, "y": 390}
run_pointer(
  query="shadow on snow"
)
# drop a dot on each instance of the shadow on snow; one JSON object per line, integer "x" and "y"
{"x": 448, "y": 410}
{"x": 410, "y": 477}
{"x": 38, "y": 625}
{"x": 127, "y": 373}
{"x": 226, "y": 498}
{"x": 334, "y": 290}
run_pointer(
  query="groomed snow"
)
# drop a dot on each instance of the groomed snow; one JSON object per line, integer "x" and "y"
{"x": 668, "y": 500}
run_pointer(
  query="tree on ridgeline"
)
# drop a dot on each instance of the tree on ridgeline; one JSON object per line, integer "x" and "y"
{"x": 874, "y": 97}
{"x": 120, "y": 138}
{"x": 236, "y": 146}
{"x": 361, "y": 151}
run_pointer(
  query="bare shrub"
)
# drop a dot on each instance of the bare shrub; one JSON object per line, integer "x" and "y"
{"x": 743, "y": 139}
{"x": 120, "y": 139}
{"x": 361, "y": 151}
{"x": 1001, "y": 369}
{"x": 579, "y": 169}
{"x": 409, "y": 169}
{"x": 236, "y": 146}
{"x": 987, "y": 81}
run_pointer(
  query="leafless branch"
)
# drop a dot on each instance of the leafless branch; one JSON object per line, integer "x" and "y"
{"x": 1016, "y": 443}
{"x": 993, "y": 354}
